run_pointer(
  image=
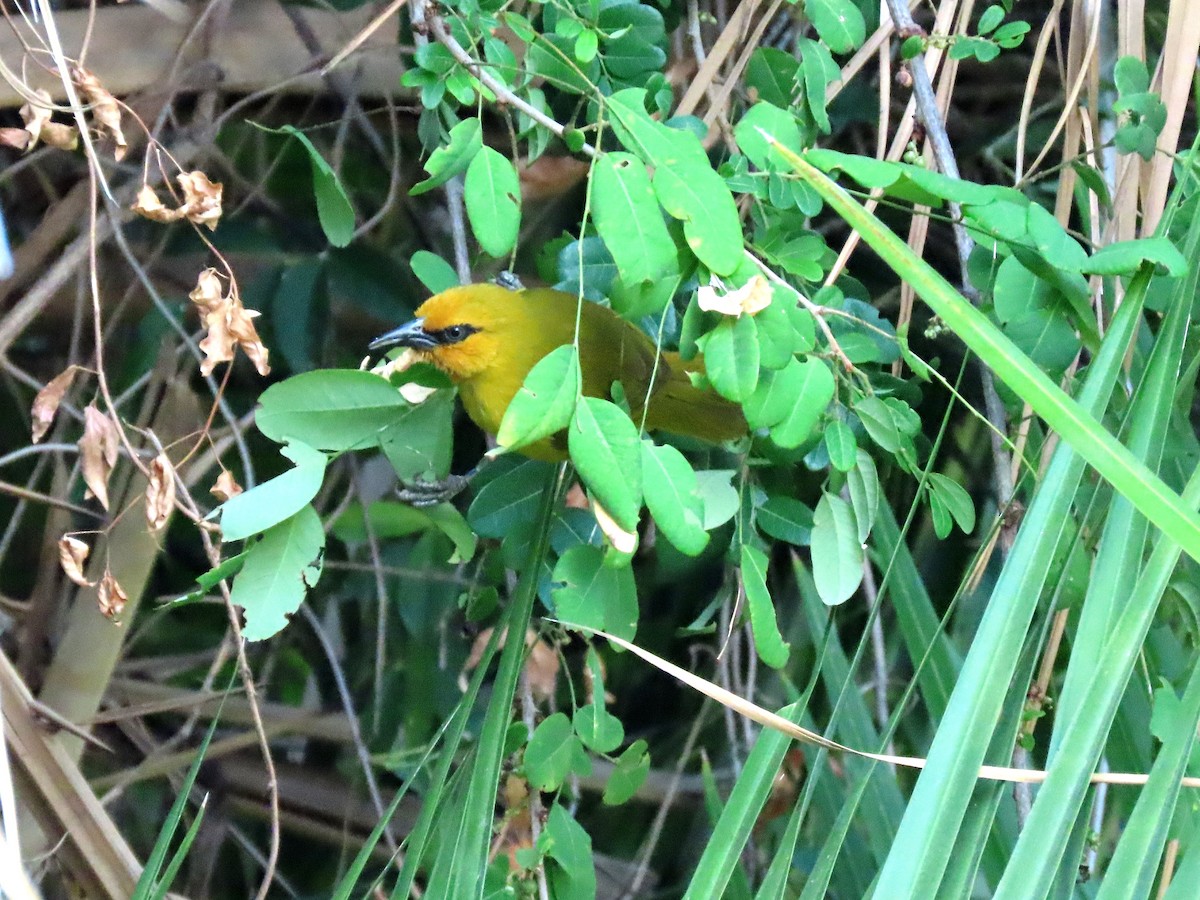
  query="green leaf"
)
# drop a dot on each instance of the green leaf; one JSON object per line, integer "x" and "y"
{"x": 492, "y": 193}
{"x": 731, "y": 357}
{"x": 450, "y": 522}
{"x": 591, "y": 593}
{"x": 329, "y": 409}
{"x": 1011, "y": 34}
{"x": 818, "y": 70}
{"x": 776, "y": 336}
{"x": 1131, "y": 75}
{"x": 210, "y": 579}
{"x": 599, "y": 729}
{"x": 838, "y": 22}
{"x": 673, "y": 498}
{"x": 877, "y": 419}
{"x": 785, "y": 519}
{"x": 628, "y": 775}
{"x": 837, "y": 553}
{"x": 606, "y": 450}
{"x": 863, "y": 482}
{"x": 775, "y": 395}
{"x": 419, "y": 439}
{"x": 586, "y": 45}
{"x": 990, "y": 20}
{"x": 553, "y": 57}
{"x": 690, "y": 190}
{"x": 466, "y": 139}
{"x": 772, "y": 73}
{"x": 954, "y": 498}
{"x": 546, "y": 401}
{"x": 1125, "y": 257}
{"x": 553, "y": 753}
{"x": 630, "y": 220}
{"x": 763, "y": 126}
{"x": 298, "y": 313}
{"x": 720, "y": 498}
{"x": 333, "y": 206}
{"x": 573, "y": 877}
{"x": 686, "y": 184}
{"x": 772, "y": 648}
{"x": 271, "y": 502}
{"x": 841, "y": 445}
{"x": 433, "y": 271}
{"x": 279, "y": 568}
{"x": 815, "y": 390}
{"x": 510, "y": 497}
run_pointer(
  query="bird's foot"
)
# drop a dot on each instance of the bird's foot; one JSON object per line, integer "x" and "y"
{"x": 431, "y": 493}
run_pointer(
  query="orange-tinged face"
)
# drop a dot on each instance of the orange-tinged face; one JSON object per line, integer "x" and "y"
{"x": 461, "y": 331}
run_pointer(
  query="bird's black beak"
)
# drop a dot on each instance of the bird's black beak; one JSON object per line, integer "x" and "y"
{"x": 411, "y": 334}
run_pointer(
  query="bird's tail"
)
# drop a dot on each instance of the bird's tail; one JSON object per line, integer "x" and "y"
{"x": 682, "y": 408}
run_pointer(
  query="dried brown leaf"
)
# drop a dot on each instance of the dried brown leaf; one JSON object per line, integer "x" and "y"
{"x": 36, "y": 116}
{"x": 106, "y": 112}
{"x": 72, "y": 554}
{"x": 160, "y": 492}
{"x": 47, "y": 401}
{"x": 151, "y": 207}
{"x": 209, "y": 293}
{"x": 111, "y": 596}
{"x": 541, "y": 666}
{"x": 98, "y": 451}
{"x": 229, "y": 324}
{"x": 201, "y": 198}
{"x": 225, "y": 487}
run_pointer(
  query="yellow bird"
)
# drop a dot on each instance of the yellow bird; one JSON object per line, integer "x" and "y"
{"x": 486, "y": 338}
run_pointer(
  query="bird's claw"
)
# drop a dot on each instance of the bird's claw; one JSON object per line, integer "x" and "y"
{"x": 431, "y": 493}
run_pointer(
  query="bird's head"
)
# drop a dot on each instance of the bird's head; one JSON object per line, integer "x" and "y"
{"x": 460, "y": 330}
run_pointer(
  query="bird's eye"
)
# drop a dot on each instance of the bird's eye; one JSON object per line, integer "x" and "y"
{"x": 456, "y": 332}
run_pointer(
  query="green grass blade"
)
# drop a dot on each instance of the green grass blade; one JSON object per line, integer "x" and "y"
{"x": 149, "y": 883}
{"x": 745, "y": 802}
{"x": 431, "y": 803}
{"x": 1133, "y": 867}
{"x": 1122, "y": 546}
{"x": 470, "y": 836}
{"x": 918, "y": 858}
{"x": 1060, "y": 797}
{"x": 172, "y": 870}
{"x": 1074, "y": 424}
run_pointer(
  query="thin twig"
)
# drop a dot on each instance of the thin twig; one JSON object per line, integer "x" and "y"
{"x": 438, "y": 29}
{"x": 360, "y": 747}
{"x": 458, "y": 228}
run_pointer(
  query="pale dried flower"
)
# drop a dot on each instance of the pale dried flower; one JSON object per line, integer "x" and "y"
{"x": 750, "y": 298}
